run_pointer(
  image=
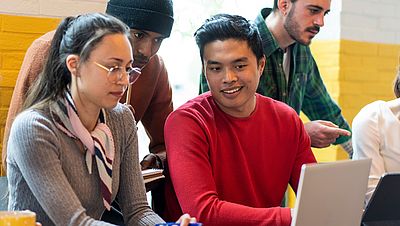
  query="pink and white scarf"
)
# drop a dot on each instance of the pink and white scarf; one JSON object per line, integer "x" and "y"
{"x": 98, "y": 143}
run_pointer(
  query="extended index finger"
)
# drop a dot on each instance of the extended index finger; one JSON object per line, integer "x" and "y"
{"x": 342, "y": 132}
{"x": 328, "y": 123}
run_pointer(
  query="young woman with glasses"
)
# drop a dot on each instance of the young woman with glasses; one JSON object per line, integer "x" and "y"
{"x": 73, "y": 150}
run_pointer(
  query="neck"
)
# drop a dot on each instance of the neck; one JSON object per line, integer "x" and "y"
{"x": 88, "y": 114}
{"x": 275, "y": 23}
{"x": 88, "y": 118}
{"x": 243, "y": 112}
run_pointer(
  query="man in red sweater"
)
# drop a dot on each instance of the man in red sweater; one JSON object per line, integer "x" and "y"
{"x": 232, "y": 152}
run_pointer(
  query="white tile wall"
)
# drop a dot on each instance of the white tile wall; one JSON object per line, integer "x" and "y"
{"x": 51, "y": 8}
{"x": 371, "y": 20}
{"x": 358, "y": 20}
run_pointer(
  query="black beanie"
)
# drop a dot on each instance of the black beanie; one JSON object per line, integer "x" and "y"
{"x": 150, "y": 15}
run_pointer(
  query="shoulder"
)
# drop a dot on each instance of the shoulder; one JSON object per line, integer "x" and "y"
{"x": 372, "y": 109}
{"x": 155, "y": 65}
{"x": 157, "y": 60}
{"x": 200, "y": 107}
{"x": 41, "y": 45}
{"x": 155, "y": 74}
{"x": 198, "y": 103}
{"x": 46, "y": 38}
{"x": 31, "y": 124}
{"x": 275, "y": 106}
{"x": 120, "y": 115}
{"x": 34, "y": 60}
{"x": 277, "y": 112}
{"x": 368, "y": 115}
{"x": 123, "y": 127}
{"x": 31, "y": 117}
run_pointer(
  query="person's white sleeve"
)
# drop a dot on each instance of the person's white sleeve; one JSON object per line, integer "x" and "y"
{"x": 366, "y": 144}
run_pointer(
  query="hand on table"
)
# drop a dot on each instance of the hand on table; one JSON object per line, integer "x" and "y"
{"x": 150, "y": 162}
{"x": 185, "y": 219}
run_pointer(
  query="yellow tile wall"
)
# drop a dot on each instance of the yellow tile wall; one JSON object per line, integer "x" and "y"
{"x": 355, "y": 73}
{"x": 16, "y": 35}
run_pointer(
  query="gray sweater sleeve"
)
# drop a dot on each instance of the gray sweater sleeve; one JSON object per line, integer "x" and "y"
{"x": 132, "y": 194}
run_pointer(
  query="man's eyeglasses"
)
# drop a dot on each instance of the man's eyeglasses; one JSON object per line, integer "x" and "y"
{"x": 115, "y": 73}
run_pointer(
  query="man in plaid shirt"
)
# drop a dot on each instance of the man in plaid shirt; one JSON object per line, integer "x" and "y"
{"x": 291, "y": 74}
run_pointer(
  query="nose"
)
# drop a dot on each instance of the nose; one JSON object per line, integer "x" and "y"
{"x": 319, "y": 20}
{"x": 146, "y": 48}
{"x": 124, "y": 79}
{"x": 230, "y": 76}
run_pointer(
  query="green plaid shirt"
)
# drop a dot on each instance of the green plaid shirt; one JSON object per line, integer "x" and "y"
{"x": 305, "y": 90}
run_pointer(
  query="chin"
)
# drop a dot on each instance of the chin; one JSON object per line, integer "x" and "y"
{"x": 305, "y": 42}
{"x": 110, "y": 106}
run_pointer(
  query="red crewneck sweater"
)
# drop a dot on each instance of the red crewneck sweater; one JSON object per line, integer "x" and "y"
{"x": 235, "y": 171}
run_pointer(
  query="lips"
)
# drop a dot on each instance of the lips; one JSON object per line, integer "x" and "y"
{"x": 140, "y": 61}
{"x": 231, "y": 90}
{"x": 118, "y": 94}
{"x": 313, "y": 30}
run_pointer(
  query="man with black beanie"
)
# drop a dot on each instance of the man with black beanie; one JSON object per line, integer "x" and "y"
{"x": 150, "y": 22}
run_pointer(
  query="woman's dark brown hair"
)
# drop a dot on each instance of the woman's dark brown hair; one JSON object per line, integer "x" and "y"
{"x": 396, "y": 87}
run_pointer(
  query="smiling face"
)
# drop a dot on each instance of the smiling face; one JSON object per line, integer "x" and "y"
{"x": 304, "y": 19}
{"x": 91, "y": 88}
{"x": 233, "y": 75}
{"x": 145, "y": 44}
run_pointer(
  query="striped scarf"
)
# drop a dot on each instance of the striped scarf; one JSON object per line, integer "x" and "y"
{"x": 98, "y": 143}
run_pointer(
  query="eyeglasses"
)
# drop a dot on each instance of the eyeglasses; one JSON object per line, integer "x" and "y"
{"x": 115, "y": 73}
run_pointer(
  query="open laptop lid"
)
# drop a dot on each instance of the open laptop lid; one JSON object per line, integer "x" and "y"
{"x": 384, "y": 205}
{"x": 331, "y": 194}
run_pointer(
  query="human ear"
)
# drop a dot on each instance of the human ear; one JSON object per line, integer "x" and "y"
{"x": 283, "y": 6}
{"x": 261, "y": 65}
{"x": 72, "y": 62}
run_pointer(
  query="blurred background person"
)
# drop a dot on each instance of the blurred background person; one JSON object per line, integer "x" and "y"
{"x": 376, "y": 132}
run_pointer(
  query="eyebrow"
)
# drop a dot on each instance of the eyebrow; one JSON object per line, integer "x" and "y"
{"x": 116, "y": 59}
{"x": 212, "y": 62}
{"x": 147, "y": 33}
{"x": 320, "y": 8}
{"x": 120, "y": 60}
{"x": 242, "y": 59}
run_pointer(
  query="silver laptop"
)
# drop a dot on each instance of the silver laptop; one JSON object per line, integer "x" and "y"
{"x": 331, "y": 194}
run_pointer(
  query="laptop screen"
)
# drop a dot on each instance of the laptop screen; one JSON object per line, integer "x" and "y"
{"x": 384, "y": 204}
{"x": 331, "y": 194}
